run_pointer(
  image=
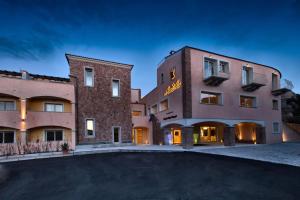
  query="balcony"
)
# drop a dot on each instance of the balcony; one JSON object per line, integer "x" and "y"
{"x": 215, "y": 78}
{"x": 40, "y": 119}
{"x": 254, "y": 82}
{"x": 10, "y": 119}
{"x": 285, "y": 86}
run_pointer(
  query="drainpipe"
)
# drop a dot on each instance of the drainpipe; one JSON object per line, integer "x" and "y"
{"x": 76, "y": 106}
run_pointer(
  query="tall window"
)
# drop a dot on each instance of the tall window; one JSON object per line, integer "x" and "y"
{"x": 164, "y": 105}
{"x": 275, "y": 104}
{"x": 7, "y": 137}
{"x": 210, "y": 98}
{"x": 276, "y": 128}
{"x": 116, "y": 88}
{"x": 116, "y": 134}
{"x": 54, "y": 135}
{"x": 247, "y": 73}
{"x": 7, "y": 105}
{"x": 248, "y": 102}
{"x": 209, "y": 67}
{"x": 162, "y": 78}
{"x": 89, "y": 127}
{"x": 274, "y": 82}
{"x": 51, "y": 107}
{"x": 89, "y": 77}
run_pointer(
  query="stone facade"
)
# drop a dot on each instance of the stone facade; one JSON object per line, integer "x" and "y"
{"x": 98, "y": 103}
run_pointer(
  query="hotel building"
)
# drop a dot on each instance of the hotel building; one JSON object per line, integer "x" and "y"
{"x": 203, "y": 97}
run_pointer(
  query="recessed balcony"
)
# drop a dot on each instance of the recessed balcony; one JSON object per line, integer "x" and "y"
{"x": 254, "y": 82}
{"x": 285, "y": 86}
{"x": 215, "y": 79}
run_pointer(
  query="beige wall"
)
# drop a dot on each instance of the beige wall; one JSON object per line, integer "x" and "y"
{"x": 37, "y": 134}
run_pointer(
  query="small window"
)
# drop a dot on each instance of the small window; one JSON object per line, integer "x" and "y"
{"x": 276, "y": 127}
{"x": 248, "y": 102}
{"x": 275, "y": 104}
{"x": 162, "y": 78}
{"x": 90, "y": 127}
{"x": 54, "y": 135}
{"x": 116, "y": 134}
{"x": 89, "y": 77}
{"x": 154, "y": 109}
{"x": 7, "y": 137}
{"x": 274, "y": 82}
{"x": 164, "y": 105}
{"x": 224, "y": 67}
{"x": 7, "y": 105}
{"x": 51, "y": 107}
{"x": 115, "y": 88}
{"x": 136, "y": 113}
{"x": 211, "y": 98}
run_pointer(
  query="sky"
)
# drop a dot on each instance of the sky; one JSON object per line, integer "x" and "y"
{"x": 35, "y": 35}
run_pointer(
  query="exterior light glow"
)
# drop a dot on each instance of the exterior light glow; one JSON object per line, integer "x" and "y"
{"x": 23, "y": 109}
{"x": 171, "y": 88}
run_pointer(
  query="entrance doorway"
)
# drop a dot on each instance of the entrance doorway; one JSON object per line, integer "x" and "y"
{"x": 208, "y": 134}
{"x": 176, "y": 134}
{"x": 140, "y": 135}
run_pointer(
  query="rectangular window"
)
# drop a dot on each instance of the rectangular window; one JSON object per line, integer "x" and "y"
{"x": 54, "y": 135}
{"x": 210, "y": 66}
{"x": 154, "y": 109}
{"x": 7, "y": 137}
{"x": 224, "y": 67}
{"x": 116, "y": 134}
{"x": 275, "y": 104}
{"x": 7, "y": 105}
{"x": 51, "y": 107}
{"x": 247, "y": 75}
{"x": 164, "y": 105}
{"x": 211, "y": 98}
{"x": 162, "y": 78}
{"x": 136, "y": 113}
{"x": 248, "y": 102}
{"x": 116, "y": 88}
{"x": 90, "y": 127}
{"x": 89, "y": 77}
{"x": 274, "y": 82}
{"x": 276, "y": 128}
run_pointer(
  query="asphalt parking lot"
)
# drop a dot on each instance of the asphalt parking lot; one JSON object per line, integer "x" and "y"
{"x": 180, "y": 175}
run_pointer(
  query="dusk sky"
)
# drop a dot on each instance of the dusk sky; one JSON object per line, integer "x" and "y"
{"x": 35, "y": 35}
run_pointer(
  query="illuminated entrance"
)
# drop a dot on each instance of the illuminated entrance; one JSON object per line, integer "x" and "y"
{"x": 140, "y": 136}
{"x": 172, "y": 136}
{"x": 176, "y": 134}
{"x": 208, "y": 132}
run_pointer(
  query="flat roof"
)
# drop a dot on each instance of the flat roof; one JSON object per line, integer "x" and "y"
{"x": 107, "y": 62}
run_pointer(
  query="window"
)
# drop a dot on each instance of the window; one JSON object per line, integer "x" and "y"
{"x": 224, "y": 67}
{"x": 210, "y": 98}
{"x": 210, "y": 66}
{"x": 247, "y": 74}
{"x": 274, "y": 82}
{"x": 51, "y": 107}
{"x": 164, "y": 105}
{"x": 136, "y": 113}
{"x": 162, "y": 78}
{"x": 275, "y": 104}
{"x": 7, "y": 137}
{"x": 116, "y": 88}
{"x": 89, "y": 77}
{"x": 90, "y": 127}
{"x": 7, "y": 105}
{"x": 116, "y": 134}
{"x": 276, "y": 127}
{"x": 248, "y": 102}
{"x": 154, "y": 109}
{"x": 54, "y": 135}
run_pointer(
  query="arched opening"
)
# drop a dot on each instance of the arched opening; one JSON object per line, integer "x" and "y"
{"x": 140, "y": 135}
{"x": 208, "y": 133}
{"x": 172, "y": 134}
{"x": 247, "y": 132}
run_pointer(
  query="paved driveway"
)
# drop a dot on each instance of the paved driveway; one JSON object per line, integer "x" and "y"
{"x": 177, "y": 175}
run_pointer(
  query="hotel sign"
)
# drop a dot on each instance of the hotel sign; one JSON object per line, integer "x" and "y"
{"x": 171, "y": 88}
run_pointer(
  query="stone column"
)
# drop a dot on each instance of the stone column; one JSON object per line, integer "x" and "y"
{"x": 23, "y": 137}
{"x": 229, "y": 136}
{"x": 187, "y": 137}
{"x": 260, "y": 135}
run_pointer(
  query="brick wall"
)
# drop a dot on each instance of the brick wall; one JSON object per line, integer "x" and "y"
{"x": 97, "y": 102}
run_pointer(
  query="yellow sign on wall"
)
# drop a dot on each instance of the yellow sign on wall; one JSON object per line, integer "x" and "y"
{"x": 171, "y": 88}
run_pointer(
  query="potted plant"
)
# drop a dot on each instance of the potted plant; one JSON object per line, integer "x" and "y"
{"x": 65, "y": 148}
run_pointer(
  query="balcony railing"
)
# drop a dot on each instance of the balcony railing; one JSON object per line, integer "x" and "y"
{"x": 10, "y": 119}
{"x": 215, "y": 78}
{"x": 39, "y": 119}
{"x": 285, "y": 86}
{"x": 255, "y": 82}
